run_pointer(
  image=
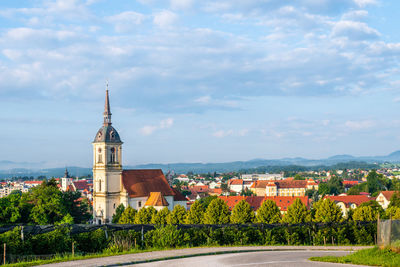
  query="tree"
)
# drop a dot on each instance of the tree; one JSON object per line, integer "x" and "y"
{"x": 354, "y": 190}
{"x": 128, "y": 216}
{"x": 268, "y": 212}
{"x": 297, "y": 213}
{"x": 395, "y": 200}
{"x": 78, "y": 209}
{"x": 205, "y": 201}
{"x": 196, "y": 213}
{"x": 323, "y": 189}
{"x": 364, "y": 213}
{"x": 177, "y": 216}
{"x": 160, "y": 217}
{"x": 375, "y": 182}
{"x": 335, "y": 185}
{"x": 217, "y": 212}
{"x": 144, "y": 215}
{"x": 118, "y": 212}
{"x": 327, "y": 211}
{"x": 242, "y": 212}
{"x": 247, "y": 192}
{"x": 375, "y": 206}
{"x": 298, "y": 177}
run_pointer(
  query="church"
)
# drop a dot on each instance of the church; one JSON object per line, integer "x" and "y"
{"x": 112, "y": 185}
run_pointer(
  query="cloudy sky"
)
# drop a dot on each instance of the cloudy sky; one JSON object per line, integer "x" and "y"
{"x": 199, "y": 81}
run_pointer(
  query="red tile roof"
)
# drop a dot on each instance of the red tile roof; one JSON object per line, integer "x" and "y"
{"x": 33, "y": 182}
{"x": 156, "y": 199}
{"x": 178, "y": 195}
{"x": 255, "y": 201}
{"x": 236, "y": 182}
{"x": 139, "y": 183}
{"x": 80, "y": 185}
{"x": 351, "y": 199}
{"x": 388, "y": 194}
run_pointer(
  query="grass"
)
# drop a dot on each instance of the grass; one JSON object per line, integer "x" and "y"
{"x": 372, "y": 257}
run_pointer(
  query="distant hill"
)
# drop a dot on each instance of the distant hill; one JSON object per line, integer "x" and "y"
{"x": 10, "y": 169}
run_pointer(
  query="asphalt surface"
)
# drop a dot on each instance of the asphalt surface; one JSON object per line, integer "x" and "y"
{"x": 252, "y": 259}
{"x": 244, "y": 256}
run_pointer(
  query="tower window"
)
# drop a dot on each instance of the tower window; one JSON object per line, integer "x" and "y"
{"x": 100, "y": 156}
{"x": 112, "y": 156}
{"x": 99, "y": 185}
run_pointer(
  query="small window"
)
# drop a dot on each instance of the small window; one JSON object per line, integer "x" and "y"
{"x": 114, "y": 205}
{"x": 140, "y": 204}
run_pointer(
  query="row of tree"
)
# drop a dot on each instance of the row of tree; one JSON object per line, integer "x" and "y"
{"x": 217, "y": 212}
{"x": 44, "y": 204}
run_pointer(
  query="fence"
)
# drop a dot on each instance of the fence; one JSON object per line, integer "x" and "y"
{"x": 388, "y": 233}
{"x": 33, "y": 242}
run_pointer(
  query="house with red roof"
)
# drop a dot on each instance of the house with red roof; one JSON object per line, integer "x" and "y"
{"x": 236, "y": 185}
{"x": 283, "y": 187}
{"x": 384, "y": 198}
{"x": 348, "y": 202}
{"x": 255, "y": 201}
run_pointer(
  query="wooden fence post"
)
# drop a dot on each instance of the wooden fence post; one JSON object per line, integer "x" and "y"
{"x": 4, "y": 255}
{"x": 390, "y": 230}
{"x": 73, "y": 249}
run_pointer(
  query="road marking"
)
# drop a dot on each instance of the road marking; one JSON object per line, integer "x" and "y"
{"x": 265, "y": 262}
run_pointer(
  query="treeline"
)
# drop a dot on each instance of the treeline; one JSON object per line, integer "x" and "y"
{"x": 300, "y": 168}
{"x": 61, "y": 241}
{"x": 217, "y": 212}
{"x": 44, "y": 204}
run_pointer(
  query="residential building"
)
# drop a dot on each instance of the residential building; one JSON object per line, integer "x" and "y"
{"x": 349, "y": 202}
{"x": 384, "y": 198}
{"x": 283, "y": 187}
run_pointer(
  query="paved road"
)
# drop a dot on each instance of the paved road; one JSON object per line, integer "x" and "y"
{"x": 262, "y": 254}
{"x": 252, "y": 259}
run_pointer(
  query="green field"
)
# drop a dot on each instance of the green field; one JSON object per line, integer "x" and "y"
{"x": 372, "y": 257}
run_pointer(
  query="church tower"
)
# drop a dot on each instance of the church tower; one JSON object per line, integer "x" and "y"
{"x": 107, "y": 169}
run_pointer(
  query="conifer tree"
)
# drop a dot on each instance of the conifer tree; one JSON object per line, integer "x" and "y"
{"x": 196, "y": 213}
{"x": 144, "y": 215}
{"x": 327, "y": 211}
{"x": 177, "y": 216}
{"x": 297, "y": 213}
{"x": 217, "y": 212}
{"x": 268, "y": 212}
{"x": 118, "y": 212}
{"x": 128, "y": 216}
{"x": 242, "y": 213}
{"x": 160, "y": 217}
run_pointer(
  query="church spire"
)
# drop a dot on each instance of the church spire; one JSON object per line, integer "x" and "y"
{"x": 107, "y": 112}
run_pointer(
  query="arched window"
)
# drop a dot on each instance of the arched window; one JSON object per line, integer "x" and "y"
{"x": 99, "y": 156}
{"x": 99, "y": 186}
{"x": 112, "y": 156}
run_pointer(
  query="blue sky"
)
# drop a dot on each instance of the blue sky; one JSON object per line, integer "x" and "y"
{"x": 199, "y": 81}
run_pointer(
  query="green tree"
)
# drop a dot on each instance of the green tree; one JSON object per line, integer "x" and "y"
{"x": 335, "y": 185}
{"x": 242, "y": 212}
{"x": 160, "y": 218}
{"x": 177, "y": 216}
{"x": 298, "y": 177}
{"x": 395, "y": 200}
{"x": 118, "y": 212}
{"x": 323, "y": 189}
{"x": 128, "y": 216}
{"x": 48, "y": 205}
{"x": 77, "y": 208}
{"x": 297, "y": 213}
{"x": 217, "y": 212}
{"x": 375, "y": 182}
{"x": 196, "y": 213}
{"x": 354, "y": 190}
{"x": 144, "y": 215}
{"x": 268, "y": 212}
{"x": 365, "y": 213}
{"x": 205, "y": 201}
{"x": 327, "y": 211}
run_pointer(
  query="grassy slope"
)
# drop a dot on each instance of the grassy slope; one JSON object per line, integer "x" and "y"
{"x": 372, "y": 257}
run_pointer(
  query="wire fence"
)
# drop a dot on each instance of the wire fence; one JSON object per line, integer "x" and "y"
{"x": 388, "y": 233}
{"x": 310, "y": 233}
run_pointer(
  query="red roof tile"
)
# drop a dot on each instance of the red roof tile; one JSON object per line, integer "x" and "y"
{"x": 139, "y": 183}
{"x": 388, "y": 194}
{"x": 255, "y": 201}
{"x": 356, "y": 199}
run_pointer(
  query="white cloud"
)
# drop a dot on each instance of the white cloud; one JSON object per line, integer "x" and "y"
{"x": 165, "y": 19}
{"x": 126, "y": 21}
{"x": 167, "y": 123}
{"x": 354, "y": 30}
{"x": 150, "y": 129}
{"x": 222, "y": 133}
{"x": 203, "y": 99}
{"x": 359, "y": 125}
{"x": 363, "y": 3}
{"x": 181, "y": 4}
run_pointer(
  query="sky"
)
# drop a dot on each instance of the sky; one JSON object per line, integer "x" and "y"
{"x": 199, "y": 81}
